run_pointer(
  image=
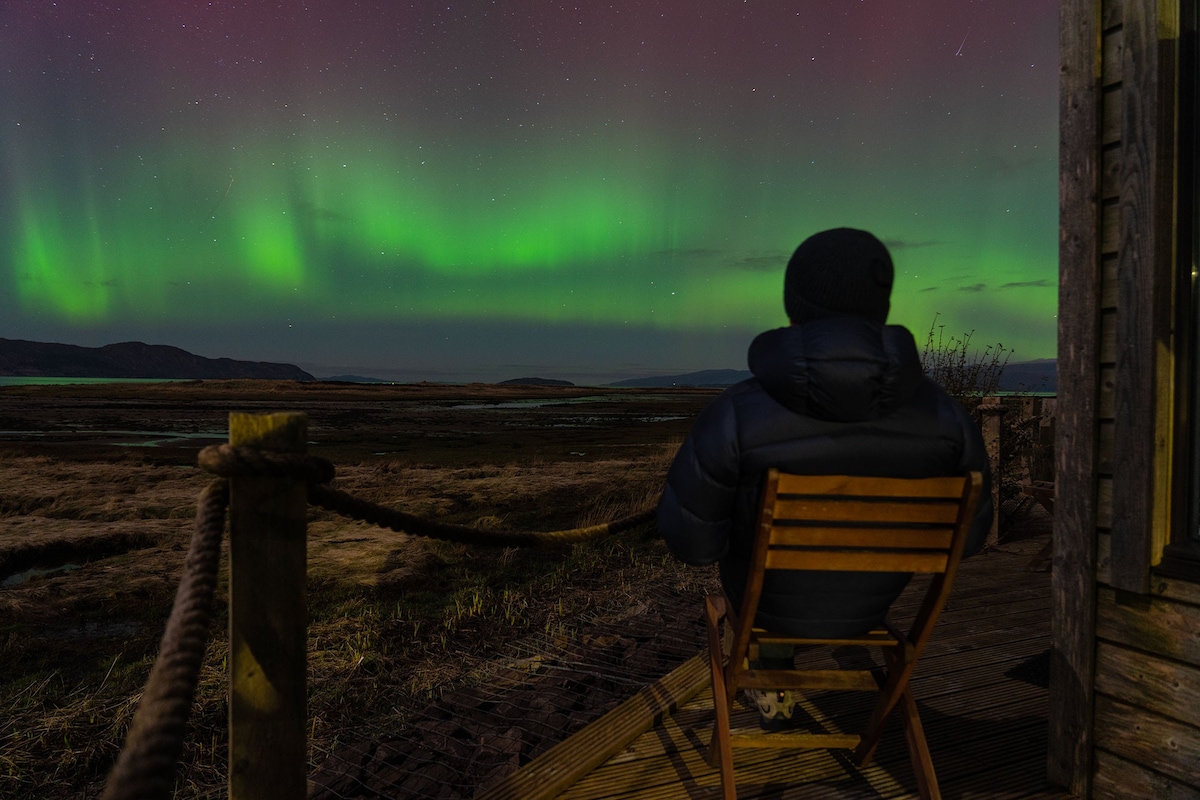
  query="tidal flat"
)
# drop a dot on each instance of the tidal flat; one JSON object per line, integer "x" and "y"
{"x": 98, "y": 490}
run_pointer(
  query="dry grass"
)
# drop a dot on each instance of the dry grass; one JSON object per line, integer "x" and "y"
{"x": 386, "y": 609}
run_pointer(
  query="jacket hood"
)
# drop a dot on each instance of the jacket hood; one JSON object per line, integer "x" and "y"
{"x": 842, "y": 369}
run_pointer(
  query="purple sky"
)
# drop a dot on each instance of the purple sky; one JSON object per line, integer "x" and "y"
{"x": 477, "y": 190}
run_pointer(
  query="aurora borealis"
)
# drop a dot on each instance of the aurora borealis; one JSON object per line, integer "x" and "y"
{"x": 480, "y": 190}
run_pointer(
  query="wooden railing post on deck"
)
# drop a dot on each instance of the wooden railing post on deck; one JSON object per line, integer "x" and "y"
{"x": 993, "y": 413}
{"x": 268, "y": 617}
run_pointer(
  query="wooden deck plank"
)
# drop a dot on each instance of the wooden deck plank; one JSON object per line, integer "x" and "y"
{"x": 1008, "y": 628}
{"x": 688, "y": 771}
{"x": 950, "y": 738}
{"x": 548, "y": 774}
{"x": 945, "y": 733}
{"x": 889, "y": 776}
{"x": 983, "y": 584}
{"x": 987, "y": 731}
{"x": 816, "y": 774}
{"x": 956, "y": 653}
{"x": 977, "y": 715}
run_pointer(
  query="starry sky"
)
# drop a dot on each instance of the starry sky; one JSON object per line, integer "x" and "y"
{"x": 484, "y": 190}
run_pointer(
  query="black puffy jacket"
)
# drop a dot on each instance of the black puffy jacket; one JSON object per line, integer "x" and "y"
{"x": 835, "y": 396}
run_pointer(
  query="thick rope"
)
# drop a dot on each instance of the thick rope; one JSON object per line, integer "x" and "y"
{"x": 146, "y": 767}
{"x": 350, "y": 506}
{"x": 228, "y": 461}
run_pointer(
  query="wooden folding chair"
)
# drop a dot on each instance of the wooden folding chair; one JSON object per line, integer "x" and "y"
{"x": 842, "y": 523}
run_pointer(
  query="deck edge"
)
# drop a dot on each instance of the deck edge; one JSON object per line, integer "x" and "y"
{"x": 561, "y": 766}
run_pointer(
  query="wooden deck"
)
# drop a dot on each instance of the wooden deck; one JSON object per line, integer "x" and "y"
{"x": 980, "y": 688}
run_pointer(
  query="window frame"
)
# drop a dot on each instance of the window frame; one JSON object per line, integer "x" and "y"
{"x": 1181, "y": 555}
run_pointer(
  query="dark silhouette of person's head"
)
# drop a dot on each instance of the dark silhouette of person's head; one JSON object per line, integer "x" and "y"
{"x": 839, "y": 272}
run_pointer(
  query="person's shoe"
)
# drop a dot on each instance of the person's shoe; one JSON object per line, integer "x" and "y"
{"x": 775, "y": 708}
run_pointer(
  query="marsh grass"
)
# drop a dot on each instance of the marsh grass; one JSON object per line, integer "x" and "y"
{"x": 388, "y": 612}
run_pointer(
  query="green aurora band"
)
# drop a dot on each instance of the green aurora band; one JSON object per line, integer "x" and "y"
{"x": 521, "y": 183}
{"x": 377, "y": 230}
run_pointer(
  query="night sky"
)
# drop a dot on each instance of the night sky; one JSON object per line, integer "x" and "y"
{"x": 487, "y": 190}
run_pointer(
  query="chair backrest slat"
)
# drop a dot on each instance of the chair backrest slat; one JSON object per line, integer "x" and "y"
{"x": 905, "y": 538}
{"x": 869, "y": 524}
{"x": 948, "y": 487}
{"x": 834, "y": 509}
{"x": 859, "y": 560}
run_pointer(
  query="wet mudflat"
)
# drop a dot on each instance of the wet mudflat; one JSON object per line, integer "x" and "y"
{"x": 429, "y": 423}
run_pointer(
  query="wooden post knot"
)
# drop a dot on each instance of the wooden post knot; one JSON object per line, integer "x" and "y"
{"x": 228, "y": 460}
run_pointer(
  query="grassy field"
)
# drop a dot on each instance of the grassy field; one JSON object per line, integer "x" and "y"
{"x": 98, "y": 488}
{"x": 93, "y": 533}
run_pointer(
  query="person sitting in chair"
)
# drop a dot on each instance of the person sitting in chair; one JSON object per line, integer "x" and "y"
{"x": 838, "y": 392}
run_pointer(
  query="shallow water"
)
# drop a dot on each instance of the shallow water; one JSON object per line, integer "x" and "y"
{"x": 35, "y": 572}
{"x": 21, "y": 380}
{"x": 533, "y": 402}
{"x": 125, "y": 438}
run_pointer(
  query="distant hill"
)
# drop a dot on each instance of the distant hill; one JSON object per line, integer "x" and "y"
{"x": 534, "y": 382}
{"x": 705, "y": 377}
{"x": 131, "y": 360}
{"x": 1030, "y": 376}
{"x": 355, "y": 379}
{"x": 1024, "y": 376}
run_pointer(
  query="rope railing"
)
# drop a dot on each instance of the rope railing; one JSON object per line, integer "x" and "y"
{"x": 145, "y": 768}
{"x": 146, "y": 765}
{"x": 228, "y": 461}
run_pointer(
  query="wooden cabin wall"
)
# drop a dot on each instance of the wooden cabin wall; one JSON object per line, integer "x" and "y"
{"x": 1145, "y": 731}
{"x": 1073, "y": 578}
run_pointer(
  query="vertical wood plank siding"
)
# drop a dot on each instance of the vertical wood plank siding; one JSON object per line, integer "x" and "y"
{"x": 1136, "y": 354}
{"x": 1146, "y": 628}
{"x": 1073, "y": 577}
{"x": 1110, "y": 14}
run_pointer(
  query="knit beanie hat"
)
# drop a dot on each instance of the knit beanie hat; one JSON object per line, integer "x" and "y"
{"x": 839, "y": 272}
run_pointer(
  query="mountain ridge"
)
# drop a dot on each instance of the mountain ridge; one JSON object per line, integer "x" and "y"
{"x": 27, "y": 359}
{"x": 1039, "y": 375}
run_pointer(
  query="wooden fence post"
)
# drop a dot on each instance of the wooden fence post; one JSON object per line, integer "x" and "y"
{"x": 992, "y": 413}
{"x": 268, "y": 617}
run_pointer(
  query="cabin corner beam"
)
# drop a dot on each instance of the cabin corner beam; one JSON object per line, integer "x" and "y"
{"x": 1073, "y": 582}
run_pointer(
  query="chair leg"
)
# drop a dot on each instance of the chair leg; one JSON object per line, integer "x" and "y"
{"x": 720, "y": 748}
{"x": 898, "y": 672}
{"x": 719, "y": 744}
{"x": 918, "y": 749}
